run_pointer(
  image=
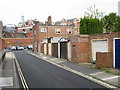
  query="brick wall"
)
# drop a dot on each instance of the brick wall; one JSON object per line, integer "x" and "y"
{"x": 13, "y": 42}
{"x": 104, "y": 59}
{"x": 0, "y": 44}
{"x": 38, "y": 36}
{"x": 108, "y": 36}
{"x": 51, "y": 32}
{"x": 80, "y": 49}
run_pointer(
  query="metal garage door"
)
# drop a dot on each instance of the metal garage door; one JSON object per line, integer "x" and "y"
{"x": 63, "y": 50}
{"x": 117, "y": 53}
{"x": 99, "y": 46}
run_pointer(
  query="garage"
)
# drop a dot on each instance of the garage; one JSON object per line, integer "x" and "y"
{"x": 99, "y": 46}
{"x": 63, "y": 50}
{"x": 55, "y": 49}
{"x": 116, "y": 44}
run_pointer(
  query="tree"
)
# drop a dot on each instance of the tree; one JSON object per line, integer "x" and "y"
{"x": 111, "y": 23}
{"x": 91, "y": 26}
{"x": 93, "y": 12}
{"x": 91, "y": 23}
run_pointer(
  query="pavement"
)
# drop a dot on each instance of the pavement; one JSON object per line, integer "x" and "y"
{"x": 8, "y": 75}
{"x": 107, "y": 77}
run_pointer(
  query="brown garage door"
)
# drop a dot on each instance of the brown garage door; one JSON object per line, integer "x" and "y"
{"x": 55, "y": 49}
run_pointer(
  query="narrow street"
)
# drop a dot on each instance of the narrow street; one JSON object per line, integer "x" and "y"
{"x": 41, "y": 74}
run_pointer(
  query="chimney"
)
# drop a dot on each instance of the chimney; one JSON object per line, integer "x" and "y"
{"x": 49, "y": 20}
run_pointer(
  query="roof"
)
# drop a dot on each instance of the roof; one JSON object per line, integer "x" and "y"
{"x": 58, "y": 22}
{"x": 58, "y": 25}
{"x": 70, "y": 20}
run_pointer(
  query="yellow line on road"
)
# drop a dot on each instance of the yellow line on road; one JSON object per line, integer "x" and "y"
{"x": 24, "y": 83}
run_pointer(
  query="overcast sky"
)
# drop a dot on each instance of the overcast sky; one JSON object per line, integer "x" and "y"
{"x": 12, "y": 10}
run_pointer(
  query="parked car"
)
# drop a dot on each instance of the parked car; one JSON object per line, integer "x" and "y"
{"x": 21, "y": 48}
{"x": 13, "y": 48}
{"x": 17, "y": 47}
{"x": 30, "y": 47}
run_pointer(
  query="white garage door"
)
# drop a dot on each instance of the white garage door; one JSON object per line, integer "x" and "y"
{"x": 99, "y": 46}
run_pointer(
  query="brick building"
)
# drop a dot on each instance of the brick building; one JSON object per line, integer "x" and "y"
{"x": 72, "y": 22}
{"x": 46, "y": 31}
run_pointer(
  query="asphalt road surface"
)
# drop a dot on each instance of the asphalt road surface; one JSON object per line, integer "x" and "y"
{"x": 41, "y": 74}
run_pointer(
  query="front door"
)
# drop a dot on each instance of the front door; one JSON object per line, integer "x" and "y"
{"x": 117, "y": 53}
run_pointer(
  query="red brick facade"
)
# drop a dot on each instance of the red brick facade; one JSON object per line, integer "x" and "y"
{"x": 15, "y": 41}
{"x": 109, "y": 37}
{"x": 50, "y": 31}
{"x": 0, "y": 44}
{"x": 104, "y": 60}
{"x": 79, "y": 48}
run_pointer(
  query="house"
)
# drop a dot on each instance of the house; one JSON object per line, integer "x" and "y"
{"x": 41, "y": 32}
{"x": 70, "y": 22}
{"x": 47, "y": 31}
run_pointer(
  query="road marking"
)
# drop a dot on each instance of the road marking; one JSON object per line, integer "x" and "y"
{"x": 96, "y": 73}
{"x": 78, "y": 73}
{"x": 6, "y": 81}
{"x": 111, "y": 78}
{"x": 24, "y": 83}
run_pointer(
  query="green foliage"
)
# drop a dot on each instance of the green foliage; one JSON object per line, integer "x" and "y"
{"x": 91, "y": 26}
{"x": 111, "y": 23}
{"x": 107, "y": 71}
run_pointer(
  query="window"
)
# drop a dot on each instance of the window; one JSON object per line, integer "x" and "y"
{"x": 75, "y": 28}
{"x": 43, "y": 29}
{"x": 69, "y": 31}
{"x": 57, "y": 30}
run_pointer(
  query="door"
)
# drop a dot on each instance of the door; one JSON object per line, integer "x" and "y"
{"x": 99, "y": 46}
{"x": 117, "y": 53}
{"x": 63, "y": 50}
{"x": 55, "y": 49}
{"x": 73, "y": 53}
